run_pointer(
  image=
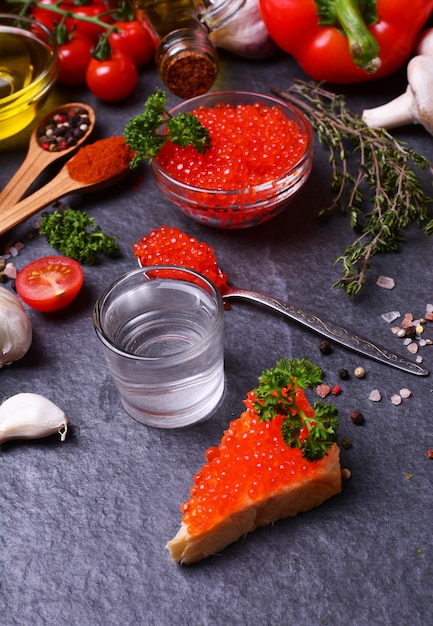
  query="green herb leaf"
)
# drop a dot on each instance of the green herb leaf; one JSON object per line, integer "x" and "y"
{"x": 184, "y": 129}
{"x": 74, "y": 233}
{"x": 369, "y": 167}
{"x": 278, "y": 394}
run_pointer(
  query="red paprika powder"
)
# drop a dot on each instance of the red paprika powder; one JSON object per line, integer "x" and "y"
{"x": 100, "y": 160}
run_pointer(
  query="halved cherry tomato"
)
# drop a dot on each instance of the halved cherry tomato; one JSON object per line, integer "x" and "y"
{"x": 134, "y": 39}
{"x": 49, "y": 283}
{"x": 114, "y": 78}
{"x": 74, "y": 58}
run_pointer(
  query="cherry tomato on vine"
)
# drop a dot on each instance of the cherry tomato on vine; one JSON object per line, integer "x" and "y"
{"x": 114, "y": 78}
{"x": 45, "y": 16}
{"x": 74, "y": 58}
{"x": 93, "y": 8}
{"x": 49, "y": 283}
{"x": 133, "y": 39}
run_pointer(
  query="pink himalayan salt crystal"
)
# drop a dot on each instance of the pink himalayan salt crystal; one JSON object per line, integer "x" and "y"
{"x": 323, "y": 390}
{"x": 407, "y": 322}
{"x": 375, "y": 395}
{"x": 10, "y": 271}
{"x": 390, "y": 316}
{"x": 405, "y": 393}
{"x": 385, "y": 282}
{"x": 396, "y": 399}
{"x": 413, "y": 348}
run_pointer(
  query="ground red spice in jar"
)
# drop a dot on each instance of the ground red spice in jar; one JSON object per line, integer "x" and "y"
{"x": 100, "y": 160}
{"x": 250, "y": 145}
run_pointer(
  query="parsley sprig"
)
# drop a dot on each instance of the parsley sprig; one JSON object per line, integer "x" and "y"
{"x": 74, "y": 233}
{"x": 278, "y": 394}
{"x": 183, "y": 129}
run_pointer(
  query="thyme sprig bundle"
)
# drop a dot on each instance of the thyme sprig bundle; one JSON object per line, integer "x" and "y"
{"x": 387, "y": 177}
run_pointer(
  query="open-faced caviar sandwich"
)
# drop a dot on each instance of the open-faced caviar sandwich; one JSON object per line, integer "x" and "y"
{"x": 279, "y": 458}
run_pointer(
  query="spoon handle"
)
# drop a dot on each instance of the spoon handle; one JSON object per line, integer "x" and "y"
{"x": 58, "y": 187}
{"x": 339, "y": 334}
{"x": 19, "y": 183}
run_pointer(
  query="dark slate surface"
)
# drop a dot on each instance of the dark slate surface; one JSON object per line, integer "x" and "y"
{"x": 85, "y": 522}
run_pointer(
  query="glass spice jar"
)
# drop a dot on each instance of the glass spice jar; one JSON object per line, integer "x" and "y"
{"x": 186, "y": 58}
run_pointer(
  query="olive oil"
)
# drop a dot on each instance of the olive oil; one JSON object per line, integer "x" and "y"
{"x": 22, "y": 59}
{"x": 27, "y": 72}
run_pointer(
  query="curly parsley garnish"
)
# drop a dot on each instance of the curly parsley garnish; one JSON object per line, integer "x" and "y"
{"x": 74, "y": 233}
{"x": 278, "y": 394}
{"x": 183, "y": 129}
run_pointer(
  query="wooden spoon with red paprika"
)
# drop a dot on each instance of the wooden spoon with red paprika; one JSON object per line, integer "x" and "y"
{"x": 93, "y": 167}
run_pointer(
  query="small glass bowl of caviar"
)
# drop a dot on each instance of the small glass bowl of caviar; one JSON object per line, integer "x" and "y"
{"x": 260, "y": 156}
{"x": 29, "y": 65}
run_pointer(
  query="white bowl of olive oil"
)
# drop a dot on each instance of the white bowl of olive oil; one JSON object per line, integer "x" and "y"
{"x": 29, "y": 66}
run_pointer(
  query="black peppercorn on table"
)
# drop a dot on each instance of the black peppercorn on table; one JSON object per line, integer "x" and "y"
{"x": 84, "y": 523}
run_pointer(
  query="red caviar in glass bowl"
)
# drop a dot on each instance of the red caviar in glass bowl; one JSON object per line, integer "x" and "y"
{"x": 261, "y": 155}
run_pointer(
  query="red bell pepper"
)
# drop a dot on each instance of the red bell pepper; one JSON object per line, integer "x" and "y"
{"x": 346, "y": 41}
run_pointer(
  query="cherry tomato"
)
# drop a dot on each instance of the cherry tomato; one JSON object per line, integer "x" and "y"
{"x": 134, "y": 39}
{"x": 112, "y": 79}
{"x": 49, "y": 283}
{"x": 92, "y": 9}
{"x": 44, "y": 16}
{"x": 74, "y": 58}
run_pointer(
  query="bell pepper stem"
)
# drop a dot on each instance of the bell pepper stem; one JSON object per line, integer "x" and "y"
{"x": 351, "y": 17}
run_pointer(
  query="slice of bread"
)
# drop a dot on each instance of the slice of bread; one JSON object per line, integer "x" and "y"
{"x": 288, "y": 500}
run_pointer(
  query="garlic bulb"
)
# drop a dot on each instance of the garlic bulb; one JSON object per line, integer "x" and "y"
{"x": 31, "y": 416}
{"x": 15, "y": 328}
{"x": 245, "y": 35}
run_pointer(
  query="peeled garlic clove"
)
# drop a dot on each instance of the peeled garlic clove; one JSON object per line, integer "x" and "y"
{"x": 31, "y": 416}
{"x": 15, "y": 328}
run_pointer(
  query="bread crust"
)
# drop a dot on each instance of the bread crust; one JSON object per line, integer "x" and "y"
{"x": 294, "y": 498}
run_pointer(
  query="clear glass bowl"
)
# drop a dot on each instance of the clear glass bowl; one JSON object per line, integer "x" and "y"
{"x": 29, "y": 66}
{"x": 243, "y": 207}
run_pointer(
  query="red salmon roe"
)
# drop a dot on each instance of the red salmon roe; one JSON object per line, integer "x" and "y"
{"x": 250, "y": 145}
{"x": 171, "y": 246}
{"x": 250, "y": 463}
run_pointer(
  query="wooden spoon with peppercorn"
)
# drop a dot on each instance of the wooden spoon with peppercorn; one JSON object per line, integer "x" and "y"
{"x": 60, "y": 133}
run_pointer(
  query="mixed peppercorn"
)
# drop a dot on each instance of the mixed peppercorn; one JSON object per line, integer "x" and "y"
{"x": 64, "y": 129}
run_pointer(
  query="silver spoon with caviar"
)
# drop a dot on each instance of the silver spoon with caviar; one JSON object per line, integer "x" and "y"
{"x": 172, "y": 246}
{"x": 60, "y": 133}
